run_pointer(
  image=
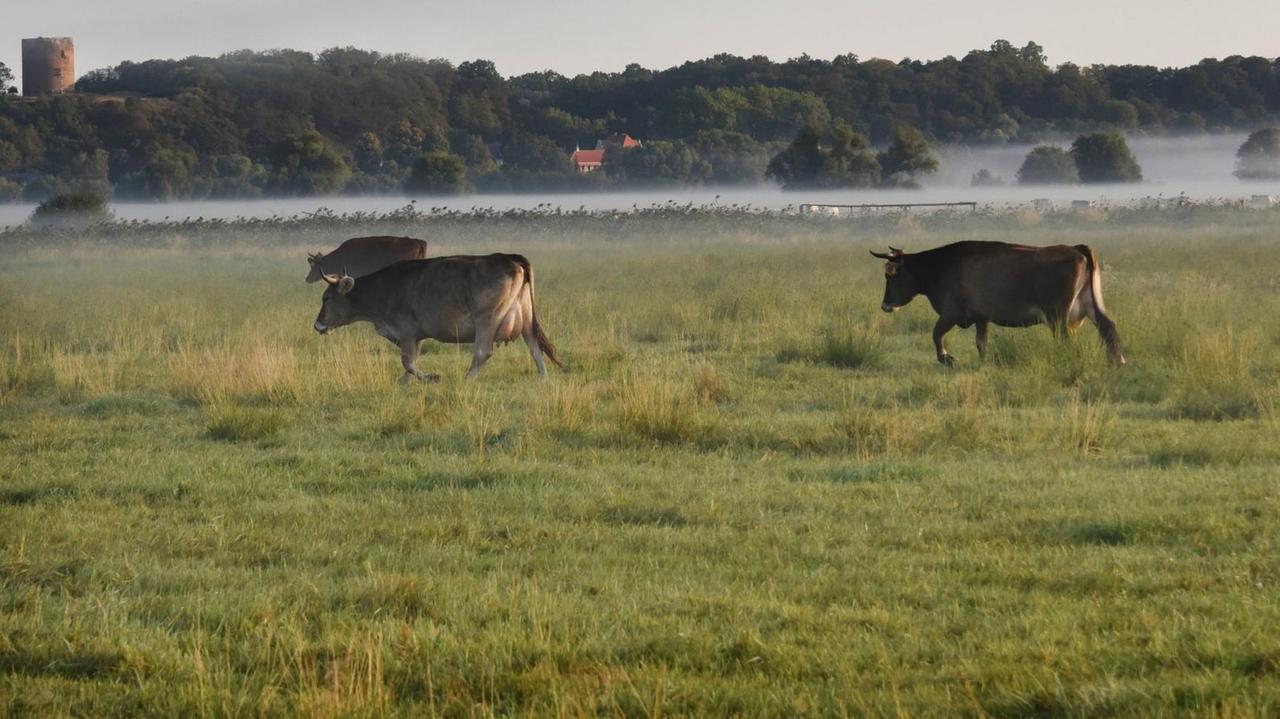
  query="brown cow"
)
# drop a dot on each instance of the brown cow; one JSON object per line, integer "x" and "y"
{"x": 360, "y": 256}
{"x": 978, "y": 283}
{"x": 464, "y": 298}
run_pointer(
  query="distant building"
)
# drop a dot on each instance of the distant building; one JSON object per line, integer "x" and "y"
{"x": 48, "y": 66}
{"x": 592, "y": 160}
{"x": 587, "y": 160}
{"x": 618, "y": 141}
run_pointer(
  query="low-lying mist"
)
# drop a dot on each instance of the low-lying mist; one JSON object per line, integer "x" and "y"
{"x": 1200, "y": 167}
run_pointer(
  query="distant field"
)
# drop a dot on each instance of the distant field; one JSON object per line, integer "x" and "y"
{"x": 752, "y": 493}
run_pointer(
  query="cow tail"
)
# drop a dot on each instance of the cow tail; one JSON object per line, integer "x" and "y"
{"x": 1095, "y": 275}
{"x": 544, "y": 343}
{"x": 1106, "y": 327}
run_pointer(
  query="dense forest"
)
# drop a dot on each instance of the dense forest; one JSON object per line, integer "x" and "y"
{"x": 346, "y": 120}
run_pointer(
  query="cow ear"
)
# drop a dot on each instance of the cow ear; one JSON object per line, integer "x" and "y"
{"x": 346, "y": 284}
{"x": 312, "y": 259}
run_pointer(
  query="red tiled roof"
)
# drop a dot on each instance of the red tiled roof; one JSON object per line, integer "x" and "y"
{"x": 587, "y": 157}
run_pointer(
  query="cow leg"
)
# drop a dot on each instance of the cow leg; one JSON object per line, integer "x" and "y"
{"x": 531, "y": 340}
{"x": 484, "y": 348}
{"x": 943, "y": 326}
{"x": 982, "y": 338}
{"x": 409, "y": 358}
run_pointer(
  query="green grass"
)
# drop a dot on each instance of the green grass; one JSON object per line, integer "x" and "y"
{"x": 751, "y": 494}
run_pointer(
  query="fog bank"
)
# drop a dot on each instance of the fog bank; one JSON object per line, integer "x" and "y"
{"x": 1199, "y": 167}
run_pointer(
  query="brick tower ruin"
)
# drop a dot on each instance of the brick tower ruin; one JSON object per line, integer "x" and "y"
{"x": 48, "y": 66}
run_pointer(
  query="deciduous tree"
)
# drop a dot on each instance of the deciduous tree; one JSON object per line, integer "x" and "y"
{"x": 1259, "y": 157}
{"x": 1105, "y": 157}
{"x": 438, "y": 173}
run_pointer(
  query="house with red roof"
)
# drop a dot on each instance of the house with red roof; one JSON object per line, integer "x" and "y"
{"x": 592, "y": 160}
{"x": 587, "y": 160}
{"x": 619, "y": 140}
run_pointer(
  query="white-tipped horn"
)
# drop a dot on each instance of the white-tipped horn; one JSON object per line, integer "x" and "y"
{"x": 332, "y": 279}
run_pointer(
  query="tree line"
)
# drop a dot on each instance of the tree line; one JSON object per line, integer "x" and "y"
{"x": 246, "y": 124}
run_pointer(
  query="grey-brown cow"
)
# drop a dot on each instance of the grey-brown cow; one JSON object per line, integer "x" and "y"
{"x": 360, "y": 256}
{"x": 484, "y": 299}
{"x": 980, "y": 283}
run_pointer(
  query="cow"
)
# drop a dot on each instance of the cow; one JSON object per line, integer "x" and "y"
{"x": 463, "y": 298}
{"x": 360, "y": 256}
{"x": 980, "y": 283}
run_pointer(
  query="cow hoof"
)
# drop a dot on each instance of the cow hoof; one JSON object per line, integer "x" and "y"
{"x": 947, "y": 360}
{"x": 429, "y": 378}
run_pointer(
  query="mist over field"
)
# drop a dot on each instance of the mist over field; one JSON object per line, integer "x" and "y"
{"x": 1199, "y": 166}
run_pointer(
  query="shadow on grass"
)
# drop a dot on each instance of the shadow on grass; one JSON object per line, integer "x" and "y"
{"x": 874, "y": 473}
{"x": 80, "y": 665}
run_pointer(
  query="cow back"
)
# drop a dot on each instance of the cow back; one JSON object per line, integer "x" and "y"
{"x": 362, "y": 256}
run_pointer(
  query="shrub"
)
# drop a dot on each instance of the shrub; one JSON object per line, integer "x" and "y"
{"x": 9, "y": 190}
{"x": 984, "y": 178}
{"x": 71, "y": 209}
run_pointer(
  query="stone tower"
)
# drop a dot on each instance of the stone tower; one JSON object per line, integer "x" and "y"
{"x": 48, "y": 66}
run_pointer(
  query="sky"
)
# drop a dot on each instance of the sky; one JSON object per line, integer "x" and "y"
{"x": 574, "y": 36}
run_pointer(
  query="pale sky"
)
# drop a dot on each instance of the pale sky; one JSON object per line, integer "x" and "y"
{"x": 573, "y": 36}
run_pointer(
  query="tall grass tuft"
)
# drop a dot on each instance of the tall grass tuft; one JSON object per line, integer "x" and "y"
{"x": 250, "y": 369}
{"x": 343, "y": 682}
{"x": 566, "y": 407}
{"x": 868, "y": 431}
{"x": 1215, "y": 379}
{"x": 709, "y": 384}
{"x": 662, "y": 409}
{"x": 849, "y": 346}
{"x": 233, "y": 423}
{"x": 24, "y": 371}
{"x": 1090, "y": 424}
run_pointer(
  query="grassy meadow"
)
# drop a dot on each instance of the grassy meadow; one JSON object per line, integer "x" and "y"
{"x": 751, "y": 493}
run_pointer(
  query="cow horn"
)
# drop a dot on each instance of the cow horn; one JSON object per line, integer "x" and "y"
{"x": 894, "y": 250}
{"x": 332, "y": 279}
{"x": 881, "y": 255}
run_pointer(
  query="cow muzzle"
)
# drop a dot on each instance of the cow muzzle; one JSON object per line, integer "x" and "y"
{"x": 321, "y": 327}
{"x": 888, "y": 307}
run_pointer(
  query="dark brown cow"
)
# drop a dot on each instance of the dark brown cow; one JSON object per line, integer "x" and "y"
{"x": 979, "y": 283}
{"x": 361, "y": 256}
{"x": 465, "y": 298}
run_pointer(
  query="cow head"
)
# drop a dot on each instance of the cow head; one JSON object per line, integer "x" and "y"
{"x": 899, "y": 285}
{"x": 336, "y": 308}
{"x": 313, "y": 259}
